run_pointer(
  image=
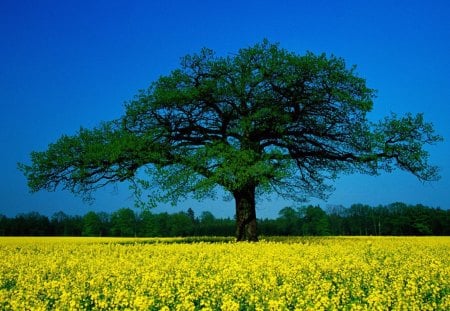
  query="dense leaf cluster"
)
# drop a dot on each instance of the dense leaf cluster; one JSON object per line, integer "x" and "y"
{"x": 358, "y": 219}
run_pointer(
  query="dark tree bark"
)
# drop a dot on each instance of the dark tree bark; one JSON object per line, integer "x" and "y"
{"x": 246, "y": 229}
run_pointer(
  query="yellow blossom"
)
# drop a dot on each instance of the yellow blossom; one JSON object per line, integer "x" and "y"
{"x": 342, "y": 273}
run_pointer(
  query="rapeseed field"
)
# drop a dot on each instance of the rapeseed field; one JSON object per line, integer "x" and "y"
{"x": 362, "y": 273}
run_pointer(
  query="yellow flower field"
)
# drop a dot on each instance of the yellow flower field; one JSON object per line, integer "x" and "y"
{"x": 373, "y": 273}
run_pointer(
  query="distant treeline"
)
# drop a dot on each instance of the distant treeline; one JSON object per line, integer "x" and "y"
{"x": 359, "y": 219}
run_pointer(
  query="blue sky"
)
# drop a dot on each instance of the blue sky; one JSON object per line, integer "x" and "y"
{"x": 66, "y": 64}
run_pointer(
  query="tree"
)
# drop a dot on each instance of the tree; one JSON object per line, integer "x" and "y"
{"x": 148, "y": 224}
{"x": 180, "y": 224}
{"x": 315, "y": 221}
{"x": 359, "y": 220}
{"x": 207, "y": 223}
{"x": 60, "y": 221}
{"x": 123, "y": 222}
{"x": 260, "y": 121}
{"x": 336, "y": 216}
{"x": 4, "y": 225}
{"x": 190, "y": 212}
{"x": 31, "y": 223}
{"x": 290, "y": 221}
{"x": 95, "y": 224}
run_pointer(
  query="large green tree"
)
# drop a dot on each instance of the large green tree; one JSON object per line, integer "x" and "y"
{"x": 260, "y": 121}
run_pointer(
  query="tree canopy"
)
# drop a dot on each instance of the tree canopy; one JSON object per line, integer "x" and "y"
{"x": 260, "y": 121}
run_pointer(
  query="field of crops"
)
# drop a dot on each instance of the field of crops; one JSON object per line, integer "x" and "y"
{"x": 373, "y": 273}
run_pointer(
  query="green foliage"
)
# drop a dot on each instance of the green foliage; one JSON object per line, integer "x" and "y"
{"x": 86, "y": 161}
{"x": 123, "y": 223}
{"x": 315, "y": 221}
{"x": 95, "y": 224}
{"x": 263, "y": 120}
{"x": 401, "y": 142}
{"x": 358, "y": 219}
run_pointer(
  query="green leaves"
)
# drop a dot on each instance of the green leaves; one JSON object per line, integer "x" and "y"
{"x": 402, "y": 141}
{"x": 263, "y": 117}
{"x": 88, "y": 160}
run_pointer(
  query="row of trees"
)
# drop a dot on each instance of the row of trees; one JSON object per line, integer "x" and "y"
{"x": 359, "y": 219}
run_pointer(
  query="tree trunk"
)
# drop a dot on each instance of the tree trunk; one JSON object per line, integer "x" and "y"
{"x": 246, "y": 214}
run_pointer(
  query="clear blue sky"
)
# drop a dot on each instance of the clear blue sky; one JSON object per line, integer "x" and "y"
{"x": 66, "y": 64}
